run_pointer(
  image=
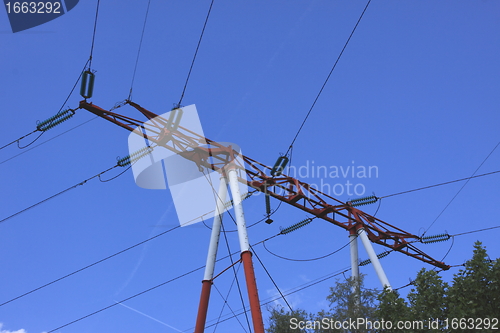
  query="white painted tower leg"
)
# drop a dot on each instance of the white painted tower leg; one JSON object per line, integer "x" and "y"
{"x": 212, "y": 256}
{"x": 374, "y": 259}
{"x": 214, "y": 237}
{"x": 246, "y": 255}
{"x": 353, "y": 244}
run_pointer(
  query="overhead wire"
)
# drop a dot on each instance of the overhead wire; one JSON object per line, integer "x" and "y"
{"x": 38, "y": 145}
{"x": 328, "y": 77}
{"x": 57, "y": 194}
{"x": 305, "y": 286}
{"x": 150, "y": 289}
{"x": 311, "y": 259}
{"x": 439, "y": 184}
{"x": 139, "y": 50}
{"x": 470, "y": 232}
{"x": 271, "y": 278}
{"x": 235, "y": 273}
{"x": 448, "y": 204}
{"x": 88, "y": 266}
{"x": 60, "y": 109}
{"x": 226, "y": 302}
{"x": 264, "y": 302}
{"x": 93, "y": 34}
{"x": 70, "y": 188}
{"x": 195, "y": 53}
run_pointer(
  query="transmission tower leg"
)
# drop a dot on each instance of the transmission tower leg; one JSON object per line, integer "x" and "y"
{"x": 374, "y": 259}
{"x": 211, "y": 257}
{"x": 353, "y": 243}
{"x": 246, "y": 255}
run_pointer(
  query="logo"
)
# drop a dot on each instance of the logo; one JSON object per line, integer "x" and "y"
{"x": 197, "y": 190}
{"x": 25, "y": 15}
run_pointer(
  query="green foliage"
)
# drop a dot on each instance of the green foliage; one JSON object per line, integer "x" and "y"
{"x": 280, "y": 320}
{"x": 344, "y": 305}
{"x": 427, "y": 299}
{"x": 475, "y": 292}
{"x": 392, "y": 308}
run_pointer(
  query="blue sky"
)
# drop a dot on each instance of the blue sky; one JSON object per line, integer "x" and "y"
{"x": 415, "y": 94}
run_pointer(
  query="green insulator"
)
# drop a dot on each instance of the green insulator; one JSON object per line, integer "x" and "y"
{"x": 55, "y": 120}
{"x": 174, "y": 119}
{"x": 383, "y": 254}
{"x": 365, "y": 262}
{"x": 279, "y": 166}
{"x": 380, "y": 256}
{"x": 87, "y": 87}
{"x": 295, "y": 226}
{"x": 268, "y": 204}
{"x": 135, "y": 156}
{"x": 363, "y": 201}
{"x": 243, "y": 197}
{"x": 435, "y": 238}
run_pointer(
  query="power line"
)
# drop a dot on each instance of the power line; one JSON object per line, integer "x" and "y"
{"x": 38, "y": 145}
{"x": 226, "y": 302}
{"x": 312, "y": 259}
{"x": 470, "y": 232}
{"x": 64, "y": 191}
{"x": 440, "y": 184}
{"x": 328, "y": 77}
{"x": 88, "y": 266}
{"x": 195, "y": 53}
{"x": 93, "y": 34}
{"x": 448, "y": 204}
{"x": 234, "y": 271}
{"x": 139, "y": 50}
{"x": 38, "y": 137}
{"x": 272, "y": 280}
{"x": 149, "y": 289}
{"x": 307, "y": 285}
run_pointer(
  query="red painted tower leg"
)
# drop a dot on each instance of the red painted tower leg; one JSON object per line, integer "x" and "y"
{"x": 203, "y": 307}
{"x": 253, "y": 295}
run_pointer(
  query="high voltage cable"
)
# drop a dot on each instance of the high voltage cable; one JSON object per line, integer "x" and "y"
{"x": 64, "y": 103}
{"x": 93, "y": 34}
{"x": 38, "y": 145}
{"x": 272, "y": 280}
{"x": 150, "y": 289}
{"x": 307, "y": 285}
{"x": 328, "y": 77}
{"x": 435, "y": 185}
{"x": 234, "y": 270}
{"x": 470, "y": 232}
{"x": 57, "y": 194}
{"x": 88, "y": 266}
{"x": 195, "y": 53}
{"x": 139, "y": 50}
{"x": 448, "y": 204}
{"x": 312, "y": 259}
{"x": 225, "y": 236}
{"x": 225, "y": 300}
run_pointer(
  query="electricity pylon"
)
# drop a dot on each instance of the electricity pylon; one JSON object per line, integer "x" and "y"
{"x": 281, "y": 187}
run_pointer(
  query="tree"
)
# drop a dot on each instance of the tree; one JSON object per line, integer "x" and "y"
{"x": 427, "y": 301}
{"x": 475, "y": 292}
{"x": 344, "y": 306}
{"x": 391, "y": 308}
{"x": 281, "y": 321}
